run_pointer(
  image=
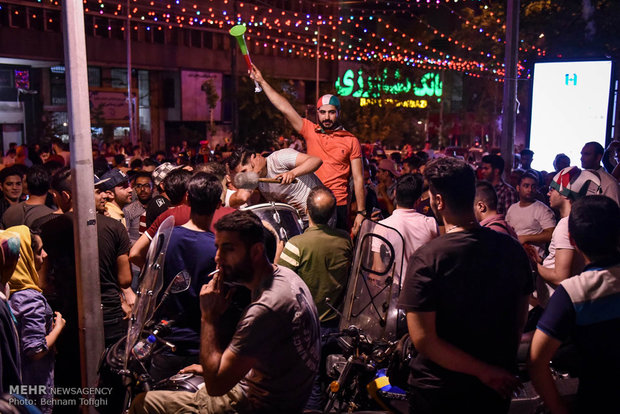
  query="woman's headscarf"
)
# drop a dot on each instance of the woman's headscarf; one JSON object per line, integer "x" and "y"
{"x": 25, "y": 275}
{"x": 9, "y": 255}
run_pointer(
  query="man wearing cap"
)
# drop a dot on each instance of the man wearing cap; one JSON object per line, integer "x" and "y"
{"x": 118, "y": 194}
{"x": 563, "y": 261}
{"x": 386, "y": 188}
{"x": 339, "y": 149}
{"x": 160, "y": 202}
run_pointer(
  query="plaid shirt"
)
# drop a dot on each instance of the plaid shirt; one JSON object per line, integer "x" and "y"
{"x": 506, "y": 196}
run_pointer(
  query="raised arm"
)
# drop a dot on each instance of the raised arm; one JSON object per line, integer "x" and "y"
{"x": 221, "y": 370}
{"x": 278, "y": 100}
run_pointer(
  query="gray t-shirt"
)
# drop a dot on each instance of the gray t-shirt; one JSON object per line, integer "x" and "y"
{"x": 22, "y": 213}
{"x": 294, "y": 194}
{"x": 280, "y": 329}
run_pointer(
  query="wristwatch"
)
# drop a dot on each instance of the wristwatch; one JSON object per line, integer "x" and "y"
{"x": 362, "y": 212}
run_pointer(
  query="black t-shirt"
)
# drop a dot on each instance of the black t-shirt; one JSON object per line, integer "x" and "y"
{"x": 113, "y": 242}
{"x": 57, "y": 236}
{"x": 474, "y": 281}
{"x": 155, "y": 207}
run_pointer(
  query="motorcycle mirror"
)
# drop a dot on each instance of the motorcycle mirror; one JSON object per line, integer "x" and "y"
{"x": 181, "y": 282}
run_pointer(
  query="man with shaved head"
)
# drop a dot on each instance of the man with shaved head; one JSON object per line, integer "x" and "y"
{"x": 321, "y": 257}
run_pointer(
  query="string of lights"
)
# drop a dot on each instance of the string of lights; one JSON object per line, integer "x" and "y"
{"x": 294, "y": 32}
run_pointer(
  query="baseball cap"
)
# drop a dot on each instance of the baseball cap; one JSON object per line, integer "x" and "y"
{"x": 388, "y": 165}
{"x": 573, "y": 183}
{"x": 162, "y": 171}
{"x": 99, "y": 181}
{"x": 114, "y": 177}
{"x": 328, "y": 100}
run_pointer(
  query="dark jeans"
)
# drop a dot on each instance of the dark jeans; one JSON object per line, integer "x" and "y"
{"x": 329, "y": 345}
{"x": 342, "y": 217}
{"x": 114, "y": 329}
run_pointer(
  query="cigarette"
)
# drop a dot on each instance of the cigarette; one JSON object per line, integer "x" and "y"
{"x": 213, "y": 273}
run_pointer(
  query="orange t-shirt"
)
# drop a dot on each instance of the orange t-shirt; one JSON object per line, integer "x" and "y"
{"x": 336, "y": 149}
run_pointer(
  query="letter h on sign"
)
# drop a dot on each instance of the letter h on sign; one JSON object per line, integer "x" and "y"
{"x": 568, "y": 80}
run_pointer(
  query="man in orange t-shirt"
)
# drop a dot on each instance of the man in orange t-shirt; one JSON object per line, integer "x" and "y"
{"x": 339, "y": 149}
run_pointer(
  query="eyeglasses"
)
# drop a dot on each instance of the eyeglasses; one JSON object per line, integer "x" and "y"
{"x": 142, "y": 186}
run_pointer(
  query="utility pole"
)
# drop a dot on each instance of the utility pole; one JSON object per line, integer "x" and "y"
{"x": 90, "y": 317}
{"x": 234, "y": 88}
{"x": 318, "y": 50}
{"x": 133, "y": 136}
{"x": 509, "y": 118}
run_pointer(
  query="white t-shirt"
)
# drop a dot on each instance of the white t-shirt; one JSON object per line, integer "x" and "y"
{"x": 294, "y": 194}
{"x": 532, "y": 219}
{"x": 416, "y": 229}
{"x": 609, "y": 185}
{"x": 559, "y": 240}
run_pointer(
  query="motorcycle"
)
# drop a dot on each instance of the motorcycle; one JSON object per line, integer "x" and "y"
{"x": 124, "y": 366}
{"x": 373, "y": 341}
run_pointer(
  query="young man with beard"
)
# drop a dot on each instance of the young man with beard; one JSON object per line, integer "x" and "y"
{"x": 492, "y": 170}
{"x": 339, "y": 149}
{"x": 191, "y": 248}
{"x": 465, "y": 294}
{"x": 135, "y": 213}
{"x": 11, "y": 186}
{"x": 119, "y": 194}
{"x": 563, "y": 261}
{"x": 270, "y": 364}
{"x": 533, "y": 221}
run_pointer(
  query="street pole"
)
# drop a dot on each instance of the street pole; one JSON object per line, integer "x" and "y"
{"x": 318, "y": 39}
{"x": 90, "y": 318}
{"x": 509, "y": 118}
{"x": 130, "y": 102}
{"x": 234, "y": 90}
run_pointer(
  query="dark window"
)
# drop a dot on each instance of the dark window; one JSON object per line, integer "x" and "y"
{"x": 89, "y": 25}
{"x": 94, "y": 76}
{"x": 174, "y": 36}
{"x": 117, "y": 29}
{"x": 18, "y": 16}
{"x": 4, "y": 15}
{"x": 52, "y": 20}
{"x": 207, "y": 40}
{"x": 196, "y": 36}
{"x": 101, "y": 27}
{"x": 159, "y": 36}
{"x": 36, "y": 19}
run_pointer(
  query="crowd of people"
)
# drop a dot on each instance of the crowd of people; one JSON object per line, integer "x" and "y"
{"x": 488, "y": 256}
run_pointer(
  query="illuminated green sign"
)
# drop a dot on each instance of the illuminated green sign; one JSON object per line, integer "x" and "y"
{"x": 357, "y": 86}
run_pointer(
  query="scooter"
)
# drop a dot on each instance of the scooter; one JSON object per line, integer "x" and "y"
{"x": 124, "y": 366}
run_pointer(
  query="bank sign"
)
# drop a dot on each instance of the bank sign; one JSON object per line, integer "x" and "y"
{"x": 390, "y": 87}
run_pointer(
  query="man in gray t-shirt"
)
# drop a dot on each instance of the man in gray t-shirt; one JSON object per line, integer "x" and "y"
{"x": 288, "y": 165}
{"x": 270, "y": 364}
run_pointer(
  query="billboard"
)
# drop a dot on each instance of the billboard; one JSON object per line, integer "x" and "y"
{"x": 570, "y": 106}
{"x": 194, "y": 98}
